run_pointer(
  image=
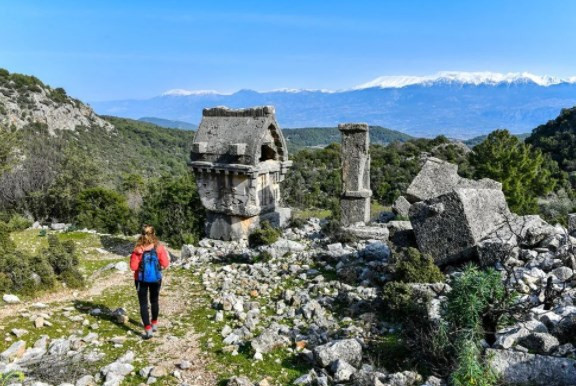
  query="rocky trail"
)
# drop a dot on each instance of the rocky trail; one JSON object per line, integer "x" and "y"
{"x": 92, "y": 336}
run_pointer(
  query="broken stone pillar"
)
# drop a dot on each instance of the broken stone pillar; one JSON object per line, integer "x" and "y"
{"x": 239, "y": 158}
{"x": 356, "y": 193}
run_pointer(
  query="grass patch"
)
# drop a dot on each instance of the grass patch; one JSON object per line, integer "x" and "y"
{"x": 376, "y": 208}
{"x": 305, "y": 214}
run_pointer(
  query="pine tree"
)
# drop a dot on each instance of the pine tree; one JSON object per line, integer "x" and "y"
{"x": 525, "y": 173}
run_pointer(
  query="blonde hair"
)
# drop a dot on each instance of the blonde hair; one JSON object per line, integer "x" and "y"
{"x": 147, "y": 237}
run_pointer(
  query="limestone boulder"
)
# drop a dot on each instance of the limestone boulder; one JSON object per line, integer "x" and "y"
{"x": 448, "y": 226}
{"x": 348, "y": 350}
{"x": 518, "y": 368}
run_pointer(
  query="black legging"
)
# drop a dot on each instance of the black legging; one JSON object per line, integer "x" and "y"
{"x": 142, "y": 289}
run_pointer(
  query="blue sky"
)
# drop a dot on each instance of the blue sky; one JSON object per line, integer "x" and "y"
{"x": 106, "y": 50}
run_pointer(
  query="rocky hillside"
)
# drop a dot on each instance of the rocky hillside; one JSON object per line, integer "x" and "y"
{"x": 25, "y": 100}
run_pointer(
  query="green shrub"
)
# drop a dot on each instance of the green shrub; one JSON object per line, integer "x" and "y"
{"x": 414, "y": 267}
{"x": 173, "y": 207}
{"x": 43, "y": 269}
{"x": 398, "y": 300}
{"x": 6, "y": 243}
{"x": 72, "y": 278}
{"x": 105, "y": 210}
{"x": 19, "y": 223}
{"x": 474, "y": 303}
{"x": 61, "y": 256}
{"x": 333, "y": 229}
{"x": 471, "y": 370}
{"x": 297, "y": 222}
{"x": 265, "y": 235}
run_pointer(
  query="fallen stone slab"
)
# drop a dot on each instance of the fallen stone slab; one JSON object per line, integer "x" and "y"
{"x": 268, "y": 340}
{"x": 366, "y": 232}
{"x": 401, "y": 206}
{"x": 439, "y": 177}
{"x": 520, "y": 368}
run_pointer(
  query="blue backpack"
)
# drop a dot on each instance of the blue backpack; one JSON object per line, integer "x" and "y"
{"x": 149, "y": 271}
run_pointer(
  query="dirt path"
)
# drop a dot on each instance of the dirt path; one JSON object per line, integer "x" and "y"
{"x": 64, "y": 295}
{"x": 177, "y": 301}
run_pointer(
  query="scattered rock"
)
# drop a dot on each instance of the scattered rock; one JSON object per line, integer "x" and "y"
{"x": 16, "y": 350}
{"x": 348, "y": 350}
{"x": 159, "y": 372}
{"x": 342, "y": 370}
{"x": 11, "y": 299}
{"x": 239, "y": 381}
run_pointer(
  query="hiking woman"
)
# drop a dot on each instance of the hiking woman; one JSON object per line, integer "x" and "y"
{"x": 147, "y": 261}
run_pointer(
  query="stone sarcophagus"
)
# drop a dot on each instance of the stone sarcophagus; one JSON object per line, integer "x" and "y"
{"x": 239, "y": 158}
{"x": 356, "y": 193}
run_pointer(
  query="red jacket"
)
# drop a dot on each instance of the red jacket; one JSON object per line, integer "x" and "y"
{"x": 136, "y": 257}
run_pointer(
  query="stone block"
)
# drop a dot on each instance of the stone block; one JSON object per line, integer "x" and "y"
{"x": 199, "y": 147}
{"x": 237, "y": 149}
{"x": 355, "y": 210}
{"x": 449, "y": 226}
{"x": 227, "y": 227}
{"x": 401, "y": 206}
{"x": 439, "y": 177}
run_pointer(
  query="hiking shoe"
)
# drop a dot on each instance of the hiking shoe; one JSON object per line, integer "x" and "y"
{"x": 148, "y": 334}
{"x": 154, "y": 328}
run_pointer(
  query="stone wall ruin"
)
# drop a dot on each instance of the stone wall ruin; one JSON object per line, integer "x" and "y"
{"x": 239, "y": 158}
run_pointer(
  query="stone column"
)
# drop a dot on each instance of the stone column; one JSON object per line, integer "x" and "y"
{"x": 355, "y": 154}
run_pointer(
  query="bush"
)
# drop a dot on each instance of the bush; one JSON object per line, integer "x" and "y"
{"x": 265, "y": 235}
{"x": 72, "y": 278}
{"x": 173, "y": 207}
{"x": 61, "y": 256}
{"x": 414, "y": 267}
{"x": 398, "y": 300}
{"x": 333, "y": 229}
{"x": 19, "y": 223}
{"x": 471, "y": 370}
{"x": 105, "y": 211}
{"x": 297, "y": 222}
{"x": 470, "y": 304}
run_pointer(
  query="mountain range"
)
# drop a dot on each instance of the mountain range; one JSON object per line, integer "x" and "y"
{"x": 457, "y": 104}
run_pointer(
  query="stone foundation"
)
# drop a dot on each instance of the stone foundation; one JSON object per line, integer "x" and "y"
{"x": 226, "y": 227}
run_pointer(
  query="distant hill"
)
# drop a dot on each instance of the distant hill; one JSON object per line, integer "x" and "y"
{"x": 557, "y": 137}
{"x": 478, "y": 140}
{"x": 26, "y": 100}
{"x": 457, "y": 105}
{"x": 50, "y": 124}
{"x": 170, "y": 124}
{"x": 323, "y": 136}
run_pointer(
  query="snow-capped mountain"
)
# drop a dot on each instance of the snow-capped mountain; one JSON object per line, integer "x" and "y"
{"x": 457, "y": 104}
{"x": 465, "y": 78}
